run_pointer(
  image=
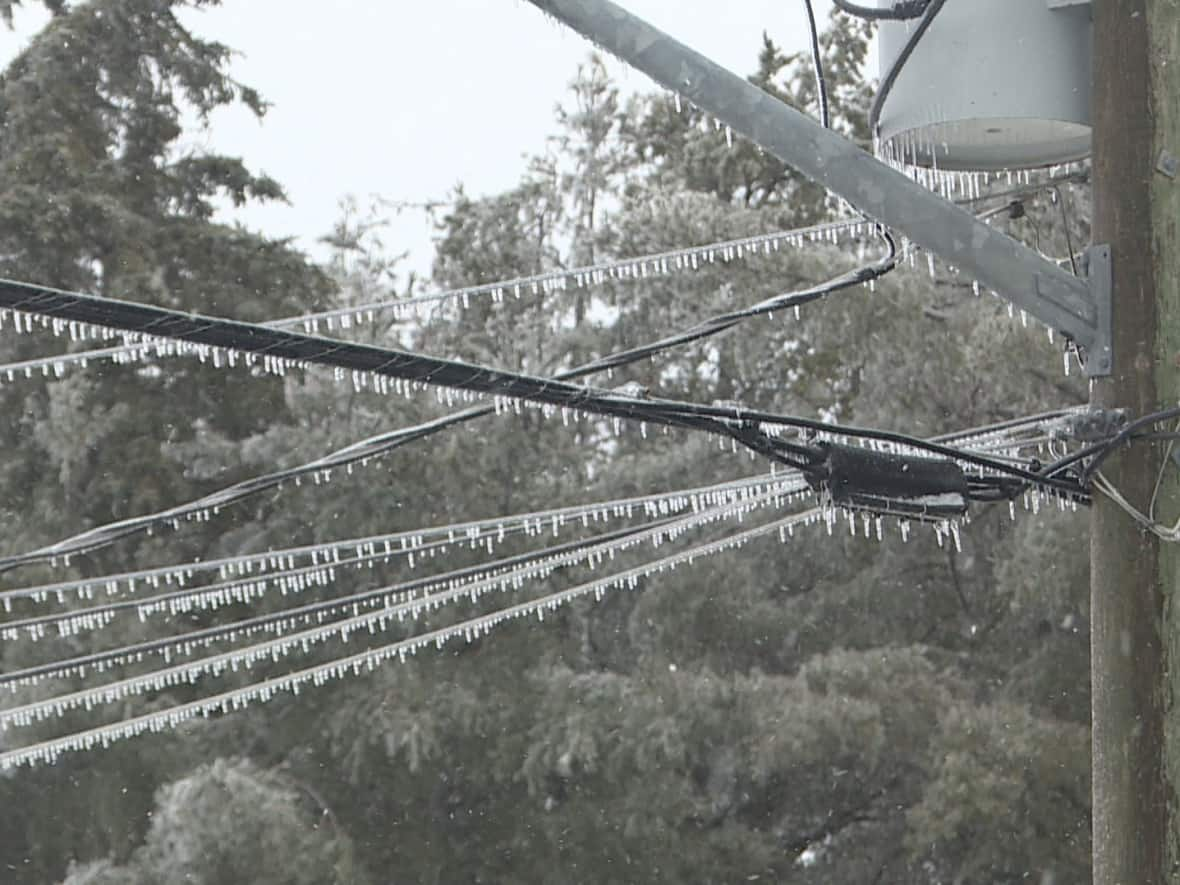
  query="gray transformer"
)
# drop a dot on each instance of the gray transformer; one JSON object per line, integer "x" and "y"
{"x": 993, "y": 84}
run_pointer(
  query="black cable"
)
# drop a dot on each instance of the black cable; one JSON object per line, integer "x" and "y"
{"x": 902, "y": 439}
{"x": 930, "y": 11}
{"x": 1101, "y": 450}
{"x": 165, "y": 598}
{"x": 283, "y": 348}
{"x": 899, "y": 11}
{"x": 981, "y": 488}
{"x": 821, "y": 83}
{"x": 1126, "y": 435}
{"x": 1065, "y": 223}
{"x": 373, "y": 447}
{"x": 722, "y": 322}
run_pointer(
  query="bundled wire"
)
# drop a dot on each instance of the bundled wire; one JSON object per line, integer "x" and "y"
{"x": 740, "y": 425}
{"x": 1082, "y": 464}
{"x": 381, "y": 444}
{"x": 734, "y": 496}
{"x": 1085, "y": 465}
{"x": 251, "y": 573}
{"x": 821, "y": 83}
{"x": 750, "y": 428}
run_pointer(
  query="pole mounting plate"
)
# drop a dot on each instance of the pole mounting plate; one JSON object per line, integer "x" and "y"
{"x": 1100, "y": 275}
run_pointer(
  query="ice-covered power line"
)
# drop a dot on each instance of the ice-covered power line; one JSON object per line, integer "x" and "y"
{"x": 1002, "y": 436}
{"x": 728, "y": 498}
{"x": 367, "y": 660}
{"x": 384, "y": 443}
{"x": 968, "y": 187}
{"x": 357, "y": 452}
{"x": 640, "y": 267}
{"x": 277, "y": 563}
{"x": 370, "y": 611}
{"x": 247, "y": 577}
{"x": 422, "y": 595}
{"x": 292, "y": 582}
{"x": 381, "y": 444}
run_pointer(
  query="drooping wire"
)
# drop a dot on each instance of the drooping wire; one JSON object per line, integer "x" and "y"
{"x": 1167, "y": 533}
{"x": 1148, "y": 520}
{"x": 825, "y": 112}
{"x": 821, "y": 83}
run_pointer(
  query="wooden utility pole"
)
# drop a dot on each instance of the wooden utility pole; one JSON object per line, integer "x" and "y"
{"x": 1135, "y": 579}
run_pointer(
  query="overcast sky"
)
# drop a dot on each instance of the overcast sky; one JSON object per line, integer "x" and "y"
{"x": 405, "y": 100}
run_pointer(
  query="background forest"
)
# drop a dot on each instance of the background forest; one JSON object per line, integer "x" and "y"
{"x": 826, "y": 710}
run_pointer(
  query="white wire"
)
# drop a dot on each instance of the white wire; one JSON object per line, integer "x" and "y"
{"x": 1164, "y": 532}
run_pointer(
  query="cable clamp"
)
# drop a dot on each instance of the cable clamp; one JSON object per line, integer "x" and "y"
{"x": 1095, "y": 425}
{"x": 887, "y": 483}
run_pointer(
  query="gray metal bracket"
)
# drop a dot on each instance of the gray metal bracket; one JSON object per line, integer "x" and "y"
{"x": 1100, "y": 275}
{"x": 1076, "y": 307}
